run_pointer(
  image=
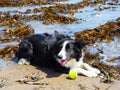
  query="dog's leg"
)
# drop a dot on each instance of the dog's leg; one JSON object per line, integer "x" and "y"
{"x": 24, "y": 61}
{"x": 85, "y": 72}
{"x": 89, "y": 68}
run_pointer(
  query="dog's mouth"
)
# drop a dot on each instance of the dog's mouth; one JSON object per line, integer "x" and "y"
{"x": 64, "y": 61}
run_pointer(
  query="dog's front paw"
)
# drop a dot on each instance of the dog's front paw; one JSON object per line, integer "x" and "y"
{"x": 24, "y": 61}
{"x": 91, "y": 74}
{"x": 96, "y": 71}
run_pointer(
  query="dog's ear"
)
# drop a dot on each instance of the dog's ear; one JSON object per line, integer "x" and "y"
{"x": 58, "y": 35}
{"x": 80, "y": 43}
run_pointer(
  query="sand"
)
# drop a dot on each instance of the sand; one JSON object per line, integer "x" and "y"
{"x": 22, "y": 77}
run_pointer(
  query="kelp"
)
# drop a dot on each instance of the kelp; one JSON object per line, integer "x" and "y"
{"x": 103, "y": 32}
{"x": 91, "y": 58}
{"x": 10, "y": 21}
{"x": 16, "y": 34}
{"x": 8, "y": 52}
{"x": 49, "y": 17}
{"x": 33, "y": 80}
{"x": 25, "y": 2}
{"x": 35, "y": 2}
{"x": 107, "y": 72}
{"x": 68, "y": 8}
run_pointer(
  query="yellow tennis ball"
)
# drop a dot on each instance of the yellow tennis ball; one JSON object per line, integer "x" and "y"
{"x": 72, "y": 74}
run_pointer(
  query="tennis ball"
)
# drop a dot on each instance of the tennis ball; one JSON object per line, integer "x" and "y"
{"x": 72, "y": 74}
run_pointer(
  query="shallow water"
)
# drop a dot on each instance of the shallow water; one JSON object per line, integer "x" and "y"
{"x": 110, "y": 50}
{"x": 88, "y": 17}
{"x": 2, "y": 63}
{"x": 6, "y": 64}
{"x": 21, "y": 9}
{"x": 2, "y": 45}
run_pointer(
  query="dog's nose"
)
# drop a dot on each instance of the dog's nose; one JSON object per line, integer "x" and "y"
{"x": 60, "y": 57}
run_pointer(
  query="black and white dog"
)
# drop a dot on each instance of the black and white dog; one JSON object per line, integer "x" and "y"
{"x": 54, "y": 51}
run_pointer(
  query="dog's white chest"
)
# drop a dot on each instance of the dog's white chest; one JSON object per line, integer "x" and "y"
{"x": 71, "y": 64}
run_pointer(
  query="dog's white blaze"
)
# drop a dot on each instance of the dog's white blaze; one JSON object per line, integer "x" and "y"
{"x": 62, "y": 52}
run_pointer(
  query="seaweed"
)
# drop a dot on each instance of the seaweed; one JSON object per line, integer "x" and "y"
{"x": 2, "y": 82}
{"x": 39, "y": 2}
{"x": 107, "y": 72}
{"x": 16, "y": 34}
{"x": 25, "y": 2}
{"x": 7, "y": 53}
{"x": 102, "y": 33}
{"x": 13, "y": 35}
{"x": 32, "y": 80}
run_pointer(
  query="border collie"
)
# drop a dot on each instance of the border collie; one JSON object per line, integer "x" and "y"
{"x": 54, "y": 51}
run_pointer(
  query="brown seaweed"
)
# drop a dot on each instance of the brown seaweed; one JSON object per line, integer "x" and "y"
{"x": 7, "y": 53}
{"x": 32, "y": 80}
{"x": 25, "y": 2}
{"x": 103, "y": 32}
{"x": 16, "y": 34}
{"x": 107, "y": 72}
{"x": 38, "y": 2}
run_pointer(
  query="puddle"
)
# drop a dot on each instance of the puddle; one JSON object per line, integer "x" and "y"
{"x": 21, "y": 9}
{"x": 3, "y": 63}
{"x": 6, "y": 64}
{"x": 3, "y": 45}
{"x": 70, "y": 1}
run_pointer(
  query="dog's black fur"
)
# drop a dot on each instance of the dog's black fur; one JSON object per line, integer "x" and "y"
{"x": 43, "y": 49}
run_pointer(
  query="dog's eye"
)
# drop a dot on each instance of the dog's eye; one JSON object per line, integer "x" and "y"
{"x": 69, "y": 46}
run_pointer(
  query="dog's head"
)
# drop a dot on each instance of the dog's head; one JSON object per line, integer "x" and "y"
{"x": 68, "y": 48}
